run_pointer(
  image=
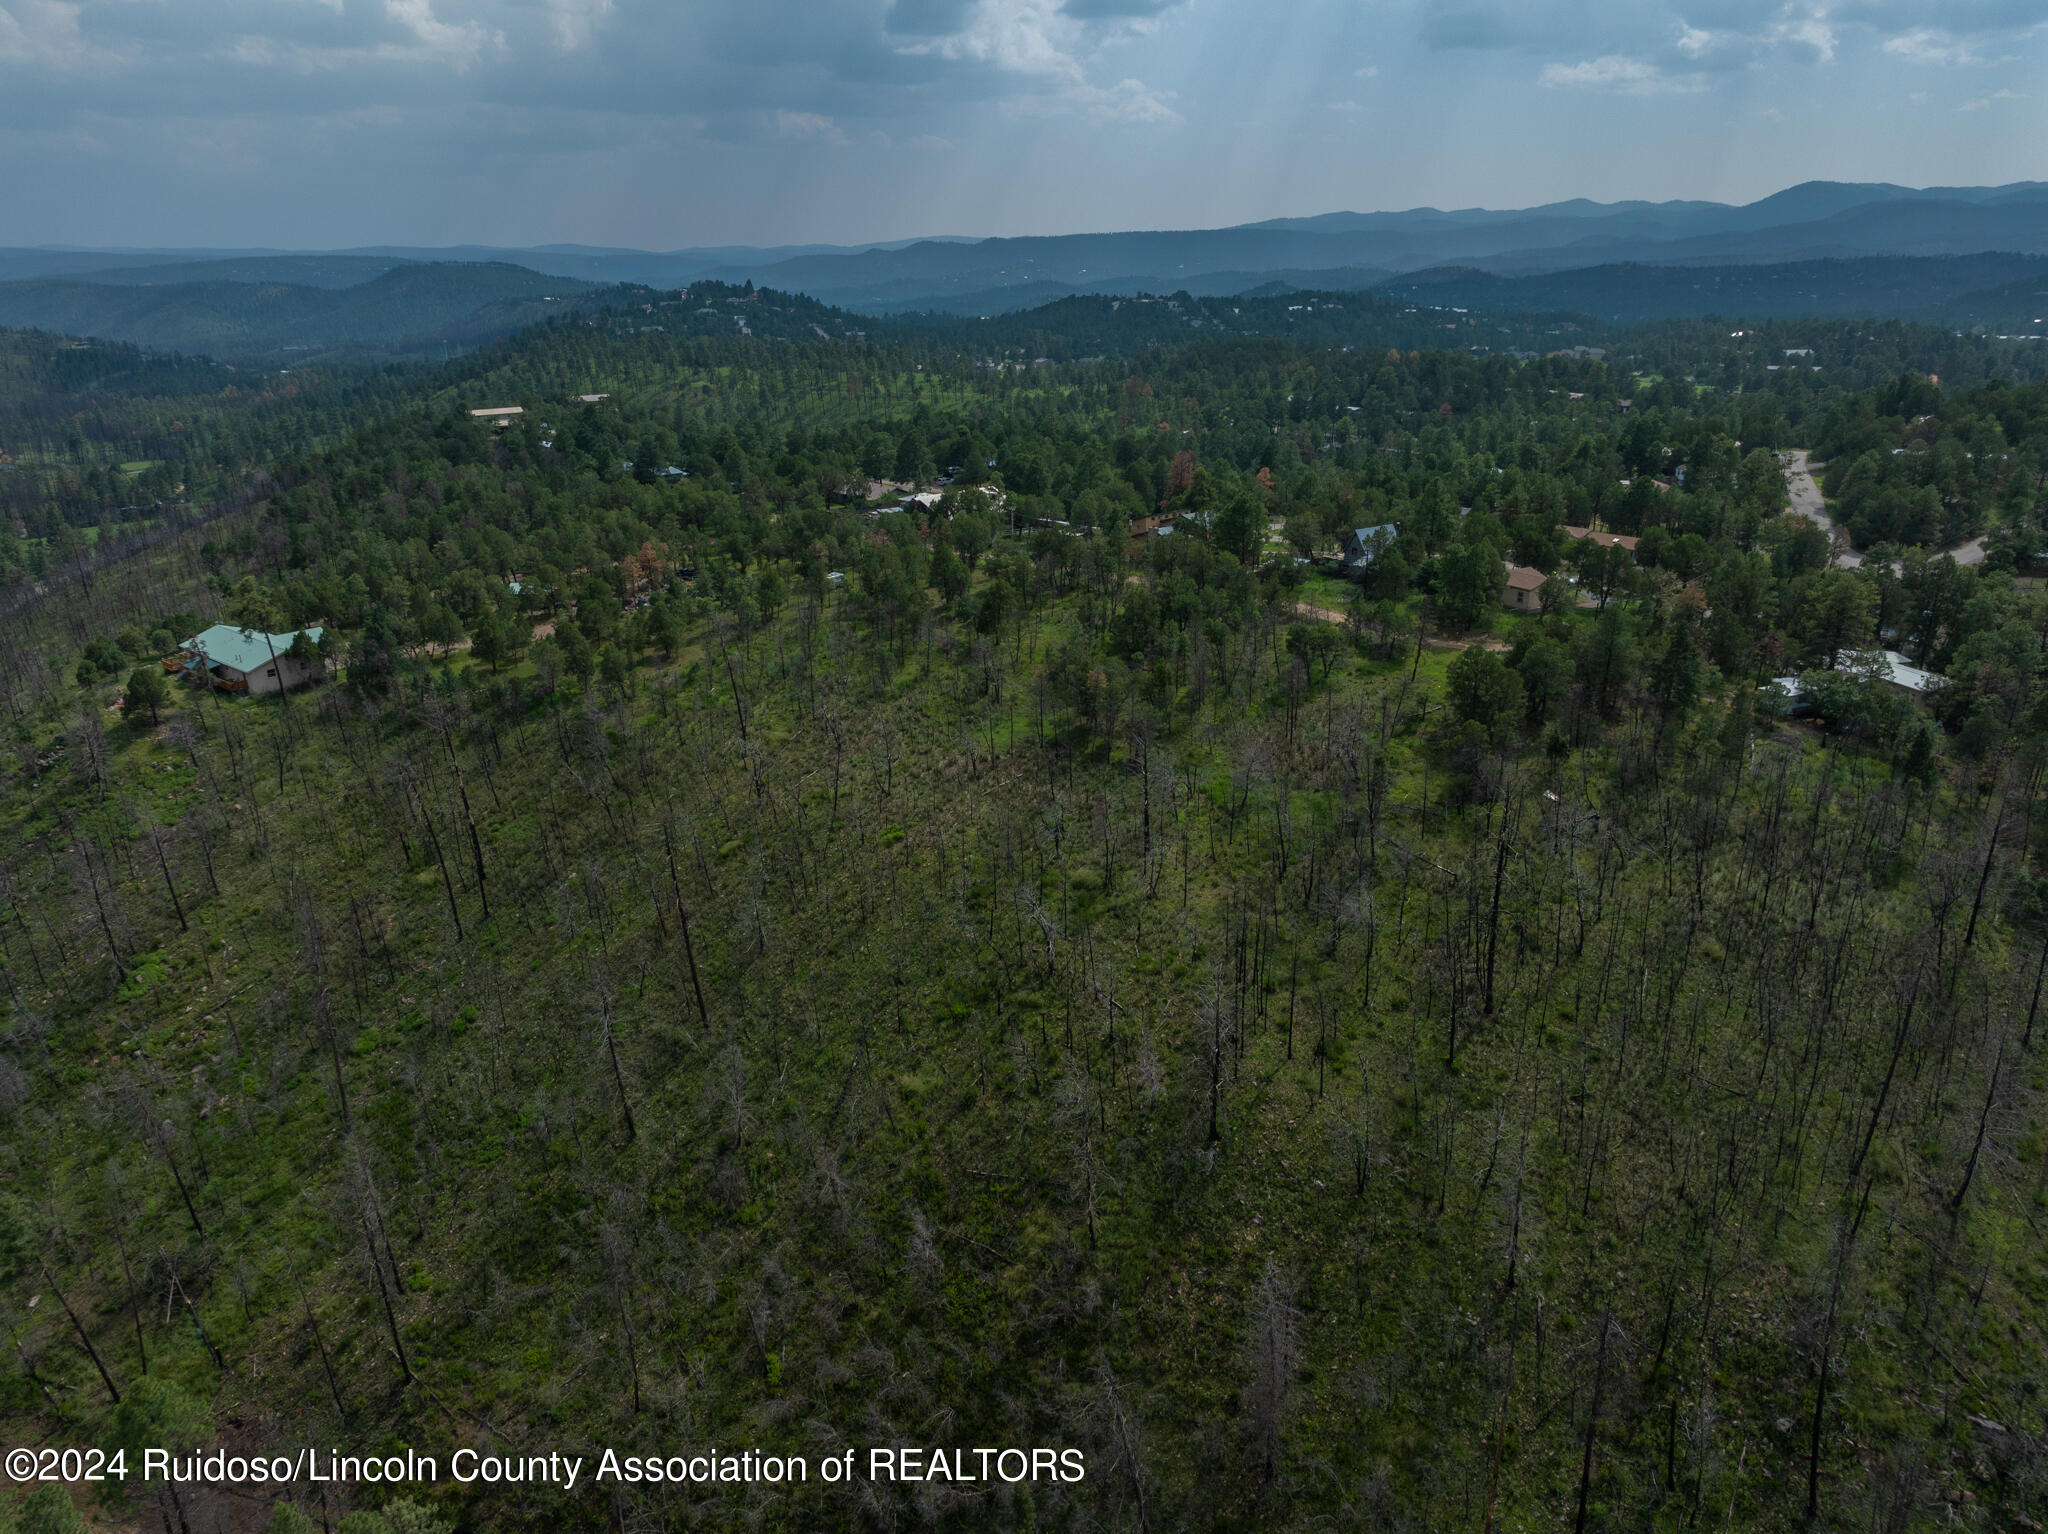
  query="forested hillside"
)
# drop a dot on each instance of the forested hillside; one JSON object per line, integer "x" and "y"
{"x": 739, "y": 958}
{"x": 1965, "y": 290}
{"x": 283, "y": 321}
{"x": 101, "y": 435}
{"x": 1912, "y": 465}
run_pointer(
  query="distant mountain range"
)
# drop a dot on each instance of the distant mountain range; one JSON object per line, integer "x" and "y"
{"x": 1812, "y": 222}
{"x": 1993, "y": 290}
{"x": 587, "y": 263}
{"x": 1957, "y": 255}
{"x": 404, "y": 310}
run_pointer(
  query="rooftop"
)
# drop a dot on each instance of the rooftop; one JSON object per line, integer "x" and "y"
{"x": 1611, "y": 540}
{"x": 1901, "y": 672}
{"x": 243, "y": 650}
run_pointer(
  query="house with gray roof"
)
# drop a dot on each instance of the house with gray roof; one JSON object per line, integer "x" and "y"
{"x": 1905, "y": 678}
{"x": 1365, "y": 545}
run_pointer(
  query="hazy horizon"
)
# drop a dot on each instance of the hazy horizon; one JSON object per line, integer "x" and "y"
{"x": 332, "y": 124}
{"x": 573, "y": 246}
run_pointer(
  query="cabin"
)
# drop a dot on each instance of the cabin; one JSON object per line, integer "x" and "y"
{"x": 1521, "y": 591}
{"x": 1365, "y": 545}
{"x": 1605, "y": 539}
{"x": 499, "y": 415}
{"x": 243, "y": 660}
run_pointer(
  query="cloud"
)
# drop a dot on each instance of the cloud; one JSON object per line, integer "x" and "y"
{"x": 808, "y": 128}
{"x": 622, "y": 60}
{"x": 1028, "y": 37}
{"x": 1038, "y": 43}
{"x": 862, "y": 62}
{"x": 411, "y": 34}
{"x": 1744, "y": 39}
{"x": 1930, "y": 45}
{"x": 798, "y": 118}
{"x": 44, "y": 33}
{"x": 1984, "y": 102}
{"x": 1619, "y": 75}
{"x": 446, "y": 42}
{"x": 575, "y": 21}
{"x": 1729, "y": 34}
{"x": 1965, "y": 18}
{"x": 1129, "y": 10}
{"x": 1812, "y": 31}
{"x": 1128, "y": 101}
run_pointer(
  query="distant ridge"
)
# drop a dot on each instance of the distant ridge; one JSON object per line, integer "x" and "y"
{"x": 1958, "y": 255}
{"x": 1812, "y": 220}
{"x": 426, "y": 303}
{"x": 1949, "y": 289}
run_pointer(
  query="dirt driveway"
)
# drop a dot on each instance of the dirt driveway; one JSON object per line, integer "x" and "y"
{"x": 1430, "y": 642}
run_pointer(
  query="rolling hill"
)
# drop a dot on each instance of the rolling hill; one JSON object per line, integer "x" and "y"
{"x": 424, "y": 304}
{"x": 1967, "y": 257}
{"x": 1813, "y": 220}
{"x": 1928, "y": 287}
{"x": 1816, "y": 221}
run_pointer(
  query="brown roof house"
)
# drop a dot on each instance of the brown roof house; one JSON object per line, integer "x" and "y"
{"x": 1520, "y": 592}
{"x": 1606, "y": 539}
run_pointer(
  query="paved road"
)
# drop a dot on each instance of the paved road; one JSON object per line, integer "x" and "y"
{"x": 1808, "y": 502}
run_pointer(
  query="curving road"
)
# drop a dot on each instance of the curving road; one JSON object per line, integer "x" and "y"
{"x": 1808, "y": 502}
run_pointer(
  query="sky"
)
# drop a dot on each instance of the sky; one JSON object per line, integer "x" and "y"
{"x": 662, "y": 124}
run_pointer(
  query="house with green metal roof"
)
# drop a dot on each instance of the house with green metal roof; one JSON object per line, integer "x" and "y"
{"x": 248, "y": 660}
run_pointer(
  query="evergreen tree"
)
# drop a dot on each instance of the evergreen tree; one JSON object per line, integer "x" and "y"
{"x": 146, "y": 693}
{"x": 1675, "y": 679}
{"x": 1469, "y": 582}
{"x": 577, "y": 657}
{"x": 1240, "y": 528}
